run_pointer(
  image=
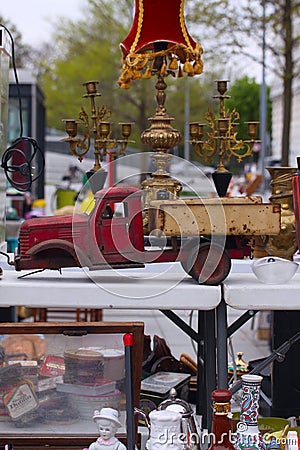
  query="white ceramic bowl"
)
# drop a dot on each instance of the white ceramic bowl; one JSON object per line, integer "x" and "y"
{"x": 274, "y": 270}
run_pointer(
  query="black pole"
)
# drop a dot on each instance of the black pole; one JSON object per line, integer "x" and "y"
{"x": 128, "y": 343}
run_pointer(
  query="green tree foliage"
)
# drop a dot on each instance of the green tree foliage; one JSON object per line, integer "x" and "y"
{"x": 240, "y": 31}
{"x": 89, "y": 50}
{"x": 282, "y": 38}
{"x": 245, "y": 97}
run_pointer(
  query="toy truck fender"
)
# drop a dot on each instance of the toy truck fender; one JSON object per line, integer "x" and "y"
{"x": 47, "y": 242}
{"x": 59, "y": 245}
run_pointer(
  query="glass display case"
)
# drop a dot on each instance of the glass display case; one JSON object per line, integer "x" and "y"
{"x": 54, "y": 375}
{"x": 5, "y": 52}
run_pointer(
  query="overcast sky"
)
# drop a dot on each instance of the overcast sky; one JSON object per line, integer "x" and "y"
{"x": 35, "y": 18}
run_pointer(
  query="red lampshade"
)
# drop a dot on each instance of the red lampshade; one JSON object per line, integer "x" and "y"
{"x": 158, "y": 30}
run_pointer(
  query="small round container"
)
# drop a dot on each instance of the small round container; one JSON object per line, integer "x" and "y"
{"x": 113, "y": 364}
{"x": 83, "y": 366}
{"x": 274, "y": 270}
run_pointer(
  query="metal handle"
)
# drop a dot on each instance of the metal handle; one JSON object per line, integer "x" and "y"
{"x": 74, "y": 332}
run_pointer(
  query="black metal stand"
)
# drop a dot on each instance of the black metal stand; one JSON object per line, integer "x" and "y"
{"x": 205, "y": 338}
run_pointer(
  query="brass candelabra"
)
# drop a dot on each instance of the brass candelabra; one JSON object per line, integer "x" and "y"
{"x": 222, "y": 138}
{"x": 97, "y": 128}
{"x": 160, "y": 137}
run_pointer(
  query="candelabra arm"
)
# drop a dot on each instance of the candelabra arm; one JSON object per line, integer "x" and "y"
{"x": 210, "y": 146}
{"x": 240, "y": 145}
{"x": 197, "y": 147}
{"x": 121, "y": 146}
{"x": 79, "y": 147}
{"x": 83, "y": 146}
{"x": 103, "y": 113}
{"x": 239, "y": 148}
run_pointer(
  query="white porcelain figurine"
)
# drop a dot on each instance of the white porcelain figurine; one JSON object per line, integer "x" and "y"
{"x": 107, "y": 420}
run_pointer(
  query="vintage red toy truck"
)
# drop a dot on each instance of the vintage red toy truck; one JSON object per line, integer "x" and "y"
{"x": 112, "y": 235}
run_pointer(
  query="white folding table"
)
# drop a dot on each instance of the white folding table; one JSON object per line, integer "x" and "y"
{"x": 157, "y": 287}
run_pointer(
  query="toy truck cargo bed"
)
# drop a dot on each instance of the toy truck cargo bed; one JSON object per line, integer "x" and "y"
{"x": 246, "y": 216}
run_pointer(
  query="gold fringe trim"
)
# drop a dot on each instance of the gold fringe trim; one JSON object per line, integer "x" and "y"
{"x": 198, "y": 67}
{"x": 148, "y": 73}
{"x": 187, "y": 67}
{"x": 173, "y": 64}
{"x": 136, "y": 65}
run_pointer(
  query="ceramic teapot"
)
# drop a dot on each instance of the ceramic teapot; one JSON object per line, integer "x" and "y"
{"x": 171, "y": 426}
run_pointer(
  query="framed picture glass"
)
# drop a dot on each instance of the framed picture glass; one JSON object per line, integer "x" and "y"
{"x": 54, "y": 375}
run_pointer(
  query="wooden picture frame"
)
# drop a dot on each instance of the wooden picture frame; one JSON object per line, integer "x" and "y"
{"x": 59, "y": 437}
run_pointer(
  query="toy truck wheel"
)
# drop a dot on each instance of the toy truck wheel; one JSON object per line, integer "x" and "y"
{"x": 212, "y": 264}
{"x": 189, "y": 254}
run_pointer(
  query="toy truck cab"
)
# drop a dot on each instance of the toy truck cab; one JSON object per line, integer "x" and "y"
{"x": 116, "y": 229}
{"x": 112, "y": 234}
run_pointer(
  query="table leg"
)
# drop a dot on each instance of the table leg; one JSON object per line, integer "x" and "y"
{"x": 222, "y": 355}
{"x": 205, "y": 338}
{"x": 206, "y": 371}
{"x": 9, "y": 314}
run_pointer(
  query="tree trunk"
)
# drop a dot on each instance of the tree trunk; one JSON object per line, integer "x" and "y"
{"x": 287, "y": 83}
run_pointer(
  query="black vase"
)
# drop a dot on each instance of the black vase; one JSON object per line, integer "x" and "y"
{"x": 221, "y": 180}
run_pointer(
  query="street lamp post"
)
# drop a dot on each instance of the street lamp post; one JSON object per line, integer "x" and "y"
{"x": 263, "y": 98}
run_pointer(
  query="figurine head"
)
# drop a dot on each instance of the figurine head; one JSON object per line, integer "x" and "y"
{"x": 107, "y": 420}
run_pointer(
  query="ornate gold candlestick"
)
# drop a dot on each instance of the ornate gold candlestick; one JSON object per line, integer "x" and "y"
{"x": 222, "y": 139}
{"x": 153, "y": 49}
{"x": 161, "y": 137}
{"x": 97, "y": 129}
